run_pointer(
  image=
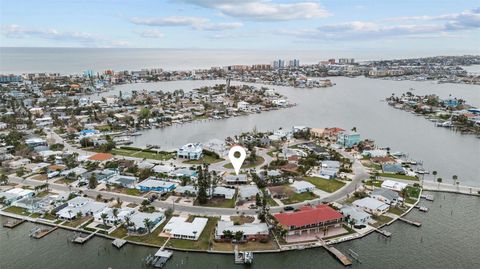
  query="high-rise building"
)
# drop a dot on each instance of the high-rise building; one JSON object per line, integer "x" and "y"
{"x": 279, "y": 64}
{"x": 295, "y": 63}
{"x": 346, "y": 61}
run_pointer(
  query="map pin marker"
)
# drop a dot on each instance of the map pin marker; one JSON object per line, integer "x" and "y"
{"x": 237, "y": 162}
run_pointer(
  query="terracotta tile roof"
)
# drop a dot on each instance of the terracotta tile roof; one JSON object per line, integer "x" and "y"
{"x": 101, "y": 157}
{"x": 308, "y": 216}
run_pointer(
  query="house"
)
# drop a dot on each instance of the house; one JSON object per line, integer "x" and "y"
{"x": 302, "y": 186}
{"x": 375, "y": 153}
{"x": 248, "y": 192}
{"x": 137, "y": 221}
{"x": 311, "y": 221}
{"x": 226, "y": 193}
{"x": 80, "y": 206}
{"x": 348, "y": 139}
{"x": 236, "y": 179}
{"x": 110, "y": 218}
{"x": 190, "y": 151}
{"x": 242, "y": 105}
{"x": 251, "y": 231}
{"x": 184, "y": 172}
{"x": 394, "y": 185}
{"x": 359, "y": 216}
{"x": 393, "y": 168}
{"x": 188, "y": 190}
{"x": 152, "y": 184}
{"x": 16, "y": 194}
{"x": 17, "y": 164}
{"x": 386, "y": 195}
{"x": 100, "y": 157}
{"x": 36, "y": 142}
{"x": 182, "y": 228}
{"x": 371, "y": 205}
{"x": 124, "y": 181}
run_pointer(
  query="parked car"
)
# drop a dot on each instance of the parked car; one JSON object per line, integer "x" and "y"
{"x": 288, "y": 208}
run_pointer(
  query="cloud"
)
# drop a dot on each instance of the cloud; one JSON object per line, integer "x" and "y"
{"x": 150, "y": 33}
{"x": 258, "y": 10}
{"x": 196, "y": 23}
{"x": 17, "y": 31}
{"x": 418, "y": 26}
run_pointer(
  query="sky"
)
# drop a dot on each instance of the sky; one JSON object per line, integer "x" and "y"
{"x": 441, "y": 26}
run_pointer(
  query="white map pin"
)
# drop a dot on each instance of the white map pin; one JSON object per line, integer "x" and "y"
{"x": 237, "y": 162}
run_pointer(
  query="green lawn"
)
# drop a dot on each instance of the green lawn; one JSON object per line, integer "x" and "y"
{"x": 396, "y": 210}
{"x": 208, "y": 159}
{"x": 203, "y": 241}
{"x": 271, "y": 202}
{"x": 328, "y": 185}
{"x": 151, "y": 238}
{"x": 413, "y": 194}
{"x": 299, "y": 197}
{"x": 76, "y": 222}
{"x": 143, "y": 154}
{"x": 120, "y": 232}
{"x": 17, "y": 210}
{"x": 218, "y": 202}
{"x": 398, "y": 176}
{"x": 380, "y": 220}
{"x": 258, "y": 161}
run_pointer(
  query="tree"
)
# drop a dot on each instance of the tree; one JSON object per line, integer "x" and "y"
{"x": 455, "y": 178}
{"x": 439, "y": 180}
{"x": 202, "y": 186}
{"x": 434, "y": 173}
{"x": 148, "y": 224}
{"x": 227, "y": 234}
{"x": 258, "y": 200}
{"x": 92, "y": 181}
{"x": 238, "y": 235}
{"x": 104, "y": 216}
{"x": 115, "y": 213}
{"x": 3, "y": 179}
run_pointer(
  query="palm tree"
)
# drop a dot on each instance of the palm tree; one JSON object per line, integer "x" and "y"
{"x": 148, "y": 224}
{"x": 434, "y": 173}
{"x": 104, "y": 216}
{"x": 115, "y": 213}
{"x": 455, "y": 178}
{"x": 439, "y": 180}
{"x": 404, "y": 195}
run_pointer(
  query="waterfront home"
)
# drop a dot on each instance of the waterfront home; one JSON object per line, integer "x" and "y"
{"x": 375, "y": 153}
{"x": 183, "y": 228}
{"x": 184, "y": 172}
{"x": 386, "y": 195}
{"x": 248, "y": 192}
{"x": 242, "y": 105}
{"x": 250, "y": 231}
{"x": 348, "y": 139}
{"x": 152, "y": 184}
{"x": 393, "y": 168}
{"x": 100, "y": 157}
{"x": 137, "y": 222}
{"x": 35, "y": 204}
{"x": 359, "y": 216}
{"x": 124, "y": 181}
{"x": 302, "y": 186}
{"x": 371, "y": 205}
{"x": 236, "y": 179}
{"x": 394, "y": 185}
{"x": 15, "y": 194}
{"x": 190, "y": 151}
{"x": 80, "y": 206}
{"x": 110, "y": 217}
{"x": 309, "y": 221}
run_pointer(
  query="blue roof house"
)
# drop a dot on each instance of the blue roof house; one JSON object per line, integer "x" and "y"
{"x": 152, "y": 184}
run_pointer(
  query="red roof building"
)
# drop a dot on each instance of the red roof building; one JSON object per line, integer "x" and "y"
{"x": 100, "y": 157}
{"x": 319, "y": 216}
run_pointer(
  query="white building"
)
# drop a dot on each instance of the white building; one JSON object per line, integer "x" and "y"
{"x": 190, "y": 151}
{"x": 80, "y": 206}
{"x": 371, "y": 205}
{"x": 302, "y": 186}
{"x": 180, "y": 228}
{"x": 357, "y": 215}
{"x": 394, "y": 185}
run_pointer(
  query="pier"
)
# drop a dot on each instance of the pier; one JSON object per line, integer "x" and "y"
{"x": 243, "y": 257}
{"x": 159, "y": 259}
{"x": 384, "y": 233}
{"x": 13, "y": 223}
{"x": 339, "y": 255}
{"x": 81, "y": 240}
{"x": 119, "y": 243}
{"x": 427, "y": 197}
{"x": 39, "y": 233}
{"x": 411, "y": 222}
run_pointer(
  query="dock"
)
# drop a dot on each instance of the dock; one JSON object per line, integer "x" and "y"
{"x": 13, "y": 223}
{"x": 42, "y": 232}
{"x": 159, "y": 259}
{"x": 82, "y": 240}
{"x": 339, "y": 255}
{"x": 427, "y": 197}
{"x": 384, "y": 233}
{"x": 411, "y": 222}
{"x": 422, "y": 208}
{"x": 243, "y": 257}
{"x": 119, "y": 243}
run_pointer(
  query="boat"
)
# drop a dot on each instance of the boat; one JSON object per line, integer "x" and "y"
{"x": 243, "y": 257}
{"x": 159, "y": 259}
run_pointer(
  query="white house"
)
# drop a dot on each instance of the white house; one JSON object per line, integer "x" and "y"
{"x": 16, "y": 194}
{"x": 111, "y": 219}
{"x": 357, "y": 215}
{"x": 394, "y": 185}
{"x": 386, "y": 195}
{"x": 302, "y": 186}
{"x": 242, "y": 105}
{"x": 190, "y": 151}
{"x": 180, "y": 228}
{"x": 137, "y": 221}
{"x": 80, "y": 206}
{"x": 371, "y": 205}
{"x": 250, "y": 230}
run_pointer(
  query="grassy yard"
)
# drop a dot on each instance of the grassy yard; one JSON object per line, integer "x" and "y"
{"x": 76, "y": 222}
{"x": 398, "y": 176}
{"x": 381, "y": 220}
{"x": 208, "y": 159}
{"x": 203, "y": 241}
{"x": 120, "y": 232}
{"x": 218, "y": 202}
{"x": 249, "y": 246}
{"x": 242, "y": 219}
{"x": 143, "y": 154}
{"x": 328, "y": 185}
{"x": 17, "y": 210}
{"x": 258, "y": 161}
{"x": 413, "y": 194}
{"x": 396, "y": 210}
{"x": 151, "y": 238}
{"x": 373, "y": 182}
{"x": 299, "y": 197}
{"x": 271, "y": 202}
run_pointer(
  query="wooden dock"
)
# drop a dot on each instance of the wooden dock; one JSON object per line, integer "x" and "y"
{"x": 384, "y": 233}
{"x": 13, "y": 223}
{"x": 411, "y": 222}
{"x": 119, "y": 243}
{"x": 82, "y": 240}
{"x": 40, "y": 233}
{"x": 339, "y": 255}
{"x": 422, "y": 208}
{"x": 427, "y": 197}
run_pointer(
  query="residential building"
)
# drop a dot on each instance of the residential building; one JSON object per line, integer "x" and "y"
{"x": 248, "y": 192}
{"x": 111, "y": 218}
{"x": 80, "y": 206}
{"x": 302, "y": 186}
{"x": 348, "y": 139}
{"x": 359, "y": 216}
{"x": 386, "y": 195}
{"x": 251, "y": 231}
{"x": 137, "y": 221}
{"x": 190, "y": 151}
{"x": 182, "y": 228}
{"x": 393, "y": 168}
{"x": 371, "y": 205}
{"x": 236, "y": 179}
{"x": 16, "y": 194}
{"x": 152, "y": 184}
{"x": 394, "y": 185}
